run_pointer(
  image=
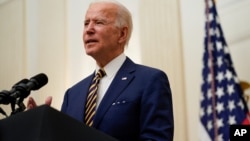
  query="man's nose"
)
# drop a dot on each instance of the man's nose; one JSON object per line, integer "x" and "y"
{"x": 89, "y": 28}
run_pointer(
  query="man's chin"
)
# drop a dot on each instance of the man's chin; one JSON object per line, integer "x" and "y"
{"x": 89, "y": 52}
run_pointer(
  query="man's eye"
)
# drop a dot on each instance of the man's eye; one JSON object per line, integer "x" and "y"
{"x": 86, "y": 23}
{"x": 99, "y": 22}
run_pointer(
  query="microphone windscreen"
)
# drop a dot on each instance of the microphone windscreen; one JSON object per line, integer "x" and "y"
{"x": 39, "y": 81}
{"x": 23, "y": 81}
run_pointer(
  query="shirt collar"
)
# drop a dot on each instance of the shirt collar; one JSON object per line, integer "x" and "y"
{"x": 113, "y": 66}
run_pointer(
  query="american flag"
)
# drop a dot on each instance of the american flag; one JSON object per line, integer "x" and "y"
{"x": 222, "y": 103}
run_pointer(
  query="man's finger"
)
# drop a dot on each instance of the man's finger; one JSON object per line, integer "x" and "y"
{"x": 48, "y": 100}
{"x": 31, "y": 103}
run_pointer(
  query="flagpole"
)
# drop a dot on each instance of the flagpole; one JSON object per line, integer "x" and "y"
{"x": 212, "y": 73}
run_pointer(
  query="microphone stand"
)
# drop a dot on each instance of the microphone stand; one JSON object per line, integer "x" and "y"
{"x": 15, "y": 99}
{"x": 21, "y": 93}
{"x": 20, "y": 104}
{"x": 21, "y": 107}
{"x": 3, "y": 112}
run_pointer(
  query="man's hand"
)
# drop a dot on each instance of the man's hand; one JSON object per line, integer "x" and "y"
{"x": 32, "y": 103}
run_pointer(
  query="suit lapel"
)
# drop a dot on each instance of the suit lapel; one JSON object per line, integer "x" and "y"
{"x": 122, "y": 79}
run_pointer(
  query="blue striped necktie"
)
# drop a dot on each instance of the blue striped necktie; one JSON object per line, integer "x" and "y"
{"x": 90, "y": 108}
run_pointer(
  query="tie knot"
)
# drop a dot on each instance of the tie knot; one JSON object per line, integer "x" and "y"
{"x": 101, "y": 73}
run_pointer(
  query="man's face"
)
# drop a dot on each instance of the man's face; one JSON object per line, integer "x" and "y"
{"x": 100, "y": 34}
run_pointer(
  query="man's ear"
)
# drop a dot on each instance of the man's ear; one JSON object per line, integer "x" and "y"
{"x": 123, "y": 34}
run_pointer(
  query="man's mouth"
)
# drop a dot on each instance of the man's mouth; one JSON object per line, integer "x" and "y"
{"x": 91, "y": 41}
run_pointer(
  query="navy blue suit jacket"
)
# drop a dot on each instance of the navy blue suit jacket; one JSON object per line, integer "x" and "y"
{"x": 136, "y": 107}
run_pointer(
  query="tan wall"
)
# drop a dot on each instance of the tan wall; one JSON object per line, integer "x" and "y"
{"x": 33, "y": 41}
{"x": 12, "y": 44}
{"x": 161, "y": 47}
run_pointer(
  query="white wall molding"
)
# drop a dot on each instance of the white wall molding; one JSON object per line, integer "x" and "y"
{"x": 233, "y": 15}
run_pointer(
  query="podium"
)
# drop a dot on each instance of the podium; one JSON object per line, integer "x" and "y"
{"x": 47, "y": 124}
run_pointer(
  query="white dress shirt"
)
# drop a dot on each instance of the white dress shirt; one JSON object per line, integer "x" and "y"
{"x": 111, "y": 69}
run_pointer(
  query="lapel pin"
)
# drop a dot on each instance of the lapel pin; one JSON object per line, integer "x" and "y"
{"x": 124, "y": 78}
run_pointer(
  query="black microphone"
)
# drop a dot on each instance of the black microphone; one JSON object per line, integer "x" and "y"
{"x": 5, "y": 95}
{"x": 22, "y": 88}
{"x": 35, "y": 83}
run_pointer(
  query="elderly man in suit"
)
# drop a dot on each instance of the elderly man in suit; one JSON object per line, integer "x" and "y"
{"x": 128, "y": 101}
